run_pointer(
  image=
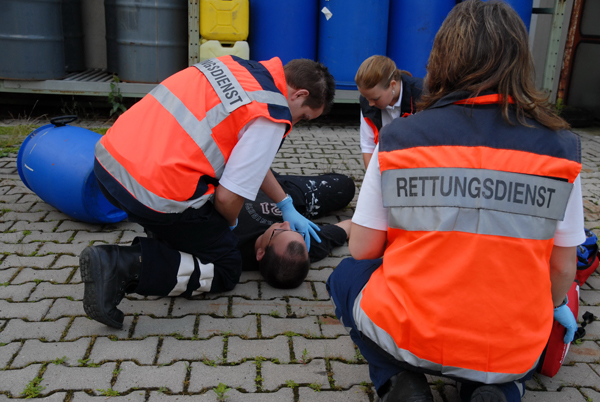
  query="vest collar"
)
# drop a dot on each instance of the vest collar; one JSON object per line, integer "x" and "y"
{"x": 466, "y": 98}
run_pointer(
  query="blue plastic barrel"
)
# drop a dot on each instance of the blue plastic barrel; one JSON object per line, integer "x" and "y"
{"x": 56, "y": 162}
{"x": 356, "y": 30}
{"x": 413, "y": 25}
{"x": 285, "y": 29}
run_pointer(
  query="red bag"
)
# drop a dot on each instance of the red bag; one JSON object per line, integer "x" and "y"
{"x": 556, "y": 349}
{"x": 554, "y": 355}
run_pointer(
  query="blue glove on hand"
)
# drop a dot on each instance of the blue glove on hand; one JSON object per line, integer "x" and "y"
{"x": 234, "y": 226}
{"x": 297, "y": 221}
{"x": 564, "y": 316}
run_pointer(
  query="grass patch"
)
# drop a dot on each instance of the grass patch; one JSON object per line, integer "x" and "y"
{"x": 11, "y": 137}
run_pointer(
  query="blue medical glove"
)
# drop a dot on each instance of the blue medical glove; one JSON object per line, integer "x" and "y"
{"x": 564, "y": 316}
{"x": 297, "y": 221}
{"x": 234, "y": 226}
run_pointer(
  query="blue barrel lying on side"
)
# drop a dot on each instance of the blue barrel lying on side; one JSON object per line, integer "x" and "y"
{"x": 56, "y": 162}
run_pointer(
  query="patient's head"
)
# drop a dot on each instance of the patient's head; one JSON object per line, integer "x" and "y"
{"x": 282, "y": 256}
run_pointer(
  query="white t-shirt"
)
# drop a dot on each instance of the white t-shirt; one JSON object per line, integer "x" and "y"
{"x": 367, "y": 136}
{"x": 252, "y": 156}
{"x": 371, "y": 213}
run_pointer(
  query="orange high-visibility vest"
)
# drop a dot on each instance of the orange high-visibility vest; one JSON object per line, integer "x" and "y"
{"x": 170, "y": 149}
{"x": 464, "y": 288}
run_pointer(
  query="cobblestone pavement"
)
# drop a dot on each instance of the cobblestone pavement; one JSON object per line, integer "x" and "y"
{"x": 264, "y": 344}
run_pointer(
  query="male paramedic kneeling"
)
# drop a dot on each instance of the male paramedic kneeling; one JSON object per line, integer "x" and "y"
{"x": 181, "y": 162}
{"x": 475, "y": 205}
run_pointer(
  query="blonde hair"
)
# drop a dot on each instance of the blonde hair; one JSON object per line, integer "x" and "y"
{"x": 377, "y": 70}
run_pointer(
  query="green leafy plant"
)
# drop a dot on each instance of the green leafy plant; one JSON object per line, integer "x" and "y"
{"x": 60, "y": 361}
{"x": 162, "y": 390}
{"x": 87, "y": 363}
{"x": 315, "y": 386}
{"x": 108, "y": 392}
{"x": 304, "y": 358}
{"x": 291, "y": 384}
{"x": 221, "y": 390}
{"x": 33, "y": 389}
{"x": 115, "y": 98}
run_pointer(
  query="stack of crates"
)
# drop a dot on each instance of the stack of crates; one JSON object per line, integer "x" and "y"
{"x": 224, "y": 28}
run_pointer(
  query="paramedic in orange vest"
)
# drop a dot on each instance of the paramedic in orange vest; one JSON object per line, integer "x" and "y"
{"x": 386, "y": 93}
{"x": 182, "y": 161}
{"x": 475, "y": 205}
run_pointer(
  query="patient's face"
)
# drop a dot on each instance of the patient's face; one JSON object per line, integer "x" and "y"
{"x": 278, "y": 236}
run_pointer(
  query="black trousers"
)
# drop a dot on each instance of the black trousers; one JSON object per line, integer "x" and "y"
{"x": 195, "y": 251}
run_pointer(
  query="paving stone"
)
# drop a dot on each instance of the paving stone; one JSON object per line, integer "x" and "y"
{"x": 241, "y": 307}
{"x": 134, "y": 376}
{"x": 328, "y": 262}
{"x": 134, "y": 396}
{"x": 276, "y": 348}
{"x": 66, "y": 261}
{"x": 20, "y": 248}
{"x": 16, "y": 293}
{"x": 319, "y": 274}
{"x": 354, "y": 394}
{"x": 35, "y": 229}
{"x": 157, "y": 308}
{"x": 78, "y": 378}
{"x": 586, "y": 352}
{"x": 19, "y": 329}
{"x": 276, "y": 375}
{"x": 50, "y": 290}
{"x": 47, "y": 275}
{"x": 55, "y": 397}
{"x": 340, "y": 348}
{"x": 36, "y": 262}
{"x": 5, "y": 276}
{"x": 346, "y": 375}
{"x": 65, "y": 308}
{"x": 580, "y": 374}
{"x": 239, "y": 376}
{"x": 7, "y": 352}
{"x": 34, "y": 351}
{"x": 271, "y": 326}
{"x": 100, "y": 238}
{"x": 245, "y": 327}
{"x": 233, "y": 395}
{"x": 84, "y": 327}
{"x": 165, "y": 326}
{"x": 53, "y": 248}
{"x": 310, "y": 308}
{"x": 303, "y": 291}
{"x": 591, "y": 297}
{"x": 250, "y": 276}
{"x": 592, "y": 394}
{"x": 28, "y": 311}
{"x": 142, "y": 351}
{"x": 174, "y": 349}
{"x": 331, "y": 327}
{"x": 322, "y": 293}
{"x": 23, "y": 216}
{"x": 15, "y": 381}
{"x": 59, "y": 237}
{"x": 183, "y": 306}
{"x": 74, "y": 225}
{"x": 249, "y": 290}
{"x": 565, "y": 395}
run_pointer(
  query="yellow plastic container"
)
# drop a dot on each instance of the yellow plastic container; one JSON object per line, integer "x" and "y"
{"x": 224, "y": 20}
{"x": 214, "y": 48}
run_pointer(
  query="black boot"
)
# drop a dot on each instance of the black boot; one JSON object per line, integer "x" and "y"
{"x": 407, "y": 386}
{"x": 108, "y": 272}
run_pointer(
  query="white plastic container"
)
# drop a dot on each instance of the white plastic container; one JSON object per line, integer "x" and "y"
{"x": 213, "y": 48}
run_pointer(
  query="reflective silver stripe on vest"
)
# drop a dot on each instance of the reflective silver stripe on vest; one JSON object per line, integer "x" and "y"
{"x": 476, "y": 221}
{"x": 386, "y": 342}
{"x": 199, "y": 130}
{"x": 478, "y": 189}
{"x": 144, "y": 196}
{"x": 227, "y": 87}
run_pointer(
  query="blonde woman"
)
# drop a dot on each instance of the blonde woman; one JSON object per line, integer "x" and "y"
{"x": 386, "y": 93}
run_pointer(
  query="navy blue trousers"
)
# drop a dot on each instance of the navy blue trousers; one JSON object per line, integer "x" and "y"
{"x": 344, "y": 285}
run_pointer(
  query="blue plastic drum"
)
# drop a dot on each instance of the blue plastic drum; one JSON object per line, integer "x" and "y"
{"x": 285, "y": 29}
{"x": 413, "y": 25}
{"x": 355, "y": 30}
{"x": 56, "y": 162}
